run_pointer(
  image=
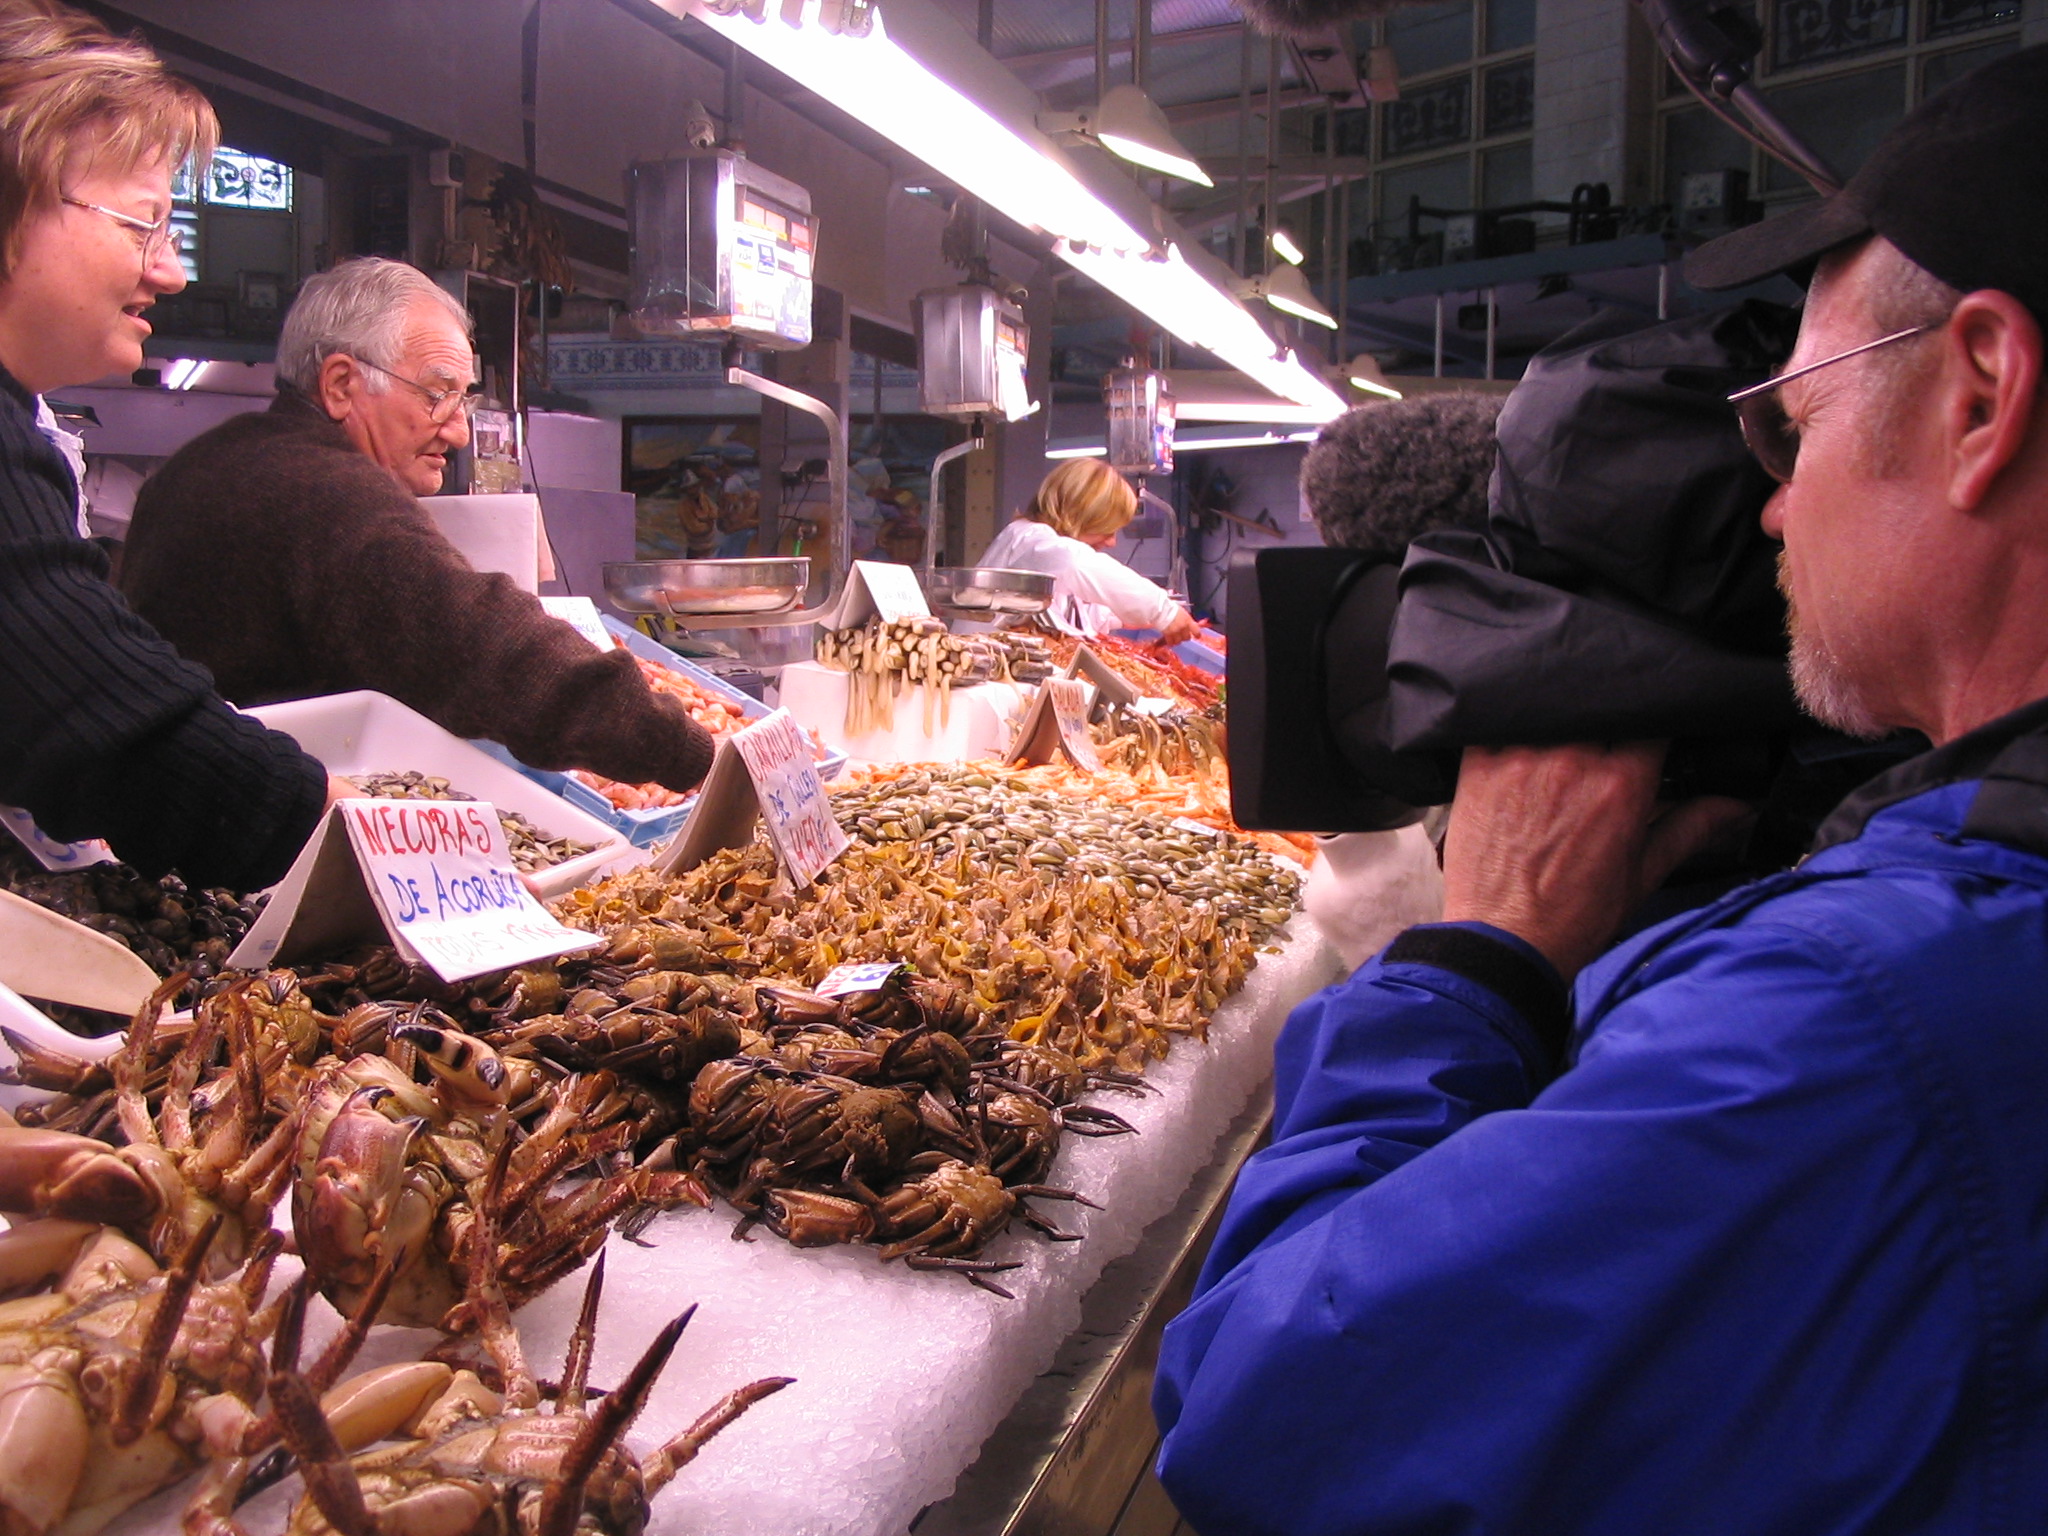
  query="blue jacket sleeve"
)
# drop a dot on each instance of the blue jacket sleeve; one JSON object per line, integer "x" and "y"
{"x": 1372, "y": 1071}
{"x": 1451, "y": 1298}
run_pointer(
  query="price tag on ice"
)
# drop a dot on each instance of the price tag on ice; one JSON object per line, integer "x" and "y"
{"x": 51, "y": 854}
{"x": 767, "y": 771}
{"x": 581, "y": 614}
{"x": 1071, "y": 701}
{"x": 867, "y": 976}
{"x": 432, "y": 875}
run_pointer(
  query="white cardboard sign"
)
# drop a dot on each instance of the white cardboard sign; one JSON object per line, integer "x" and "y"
{"x": 581, "y": 614}
{"x": 878, "y": 588}
{"x": 1057, "y": 721}
{"x": 51, "y": 854}
{"x": 433, "y": 875}
{"x": 767, "y": 771}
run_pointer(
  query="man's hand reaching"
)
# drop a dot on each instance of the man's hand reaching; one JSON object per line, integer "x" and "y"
{"x": 1557, "y": 845}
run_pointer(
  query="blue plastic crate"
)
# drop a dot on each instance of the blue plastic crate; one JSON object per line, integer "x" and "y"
{"x": 643, "y": 829}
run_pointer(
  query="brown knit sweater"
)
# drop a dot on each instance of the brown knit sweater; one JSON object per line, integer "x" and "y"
{"x": 272, "y": 552}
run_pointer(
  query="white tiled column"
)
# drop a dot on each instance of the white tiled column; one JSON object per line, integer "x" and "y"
{"x": 1582, "y": 75}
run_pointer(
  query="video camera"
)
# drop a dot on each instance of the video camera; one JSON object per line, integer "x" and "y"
{"x": 1622, "y": 589}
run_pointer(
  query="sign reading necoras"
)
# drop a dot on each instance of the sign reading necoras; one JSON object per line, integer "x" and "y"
{"x": 444, "y": 884}
{"x": 792, "y": 798}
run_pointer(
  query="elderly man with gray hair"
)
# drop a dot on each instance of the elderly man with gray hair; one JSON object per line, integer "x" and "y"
{"x": 285, "y": 549}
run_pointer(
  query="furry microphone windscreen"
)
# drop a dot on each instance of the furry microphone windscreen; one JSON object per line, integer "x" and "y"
{"x": 1379, "y": 475}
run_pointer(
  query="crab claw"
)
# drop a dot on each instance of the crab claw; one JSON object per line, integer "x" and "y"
{"x": 53, "y": 1173}
{"x": 465, "y": 1064}
{"x": 808, "y": 1219}
{"x": 360, "y": 1167}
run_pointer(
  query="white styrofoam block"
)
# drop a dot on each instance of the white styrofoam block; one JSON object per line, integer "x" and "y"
{"x": 979, "y": 721}
{"x": 900, "y": 1375}
{"x": 365, "y": 732}
{"x": 495, "y": 533}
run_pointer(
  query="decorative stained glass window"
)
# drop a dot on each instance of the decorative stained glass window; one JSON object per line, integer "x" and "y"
{"x": 1354, "y": 132}
{"x": 1511, "y": 97}
{"x": 1510, "y": 24}
{"x": 1945, "y": 18}
{"x": 238, "y": 180}
{"x": 1809, "y": 31}
{"x": 1430, "y": 37}
{"x": 1428, "y": 117}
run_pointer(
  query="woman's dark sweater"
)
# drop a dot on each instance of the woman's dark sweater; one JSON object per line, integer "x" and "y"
{"x": 293, "y": 565}
{"x": 105, "y": 731}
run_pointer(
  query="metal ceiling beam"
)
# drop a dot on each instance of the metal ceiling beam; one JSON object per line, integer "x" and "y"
{"x": 1119, "y": 47}
{"x": 1226, "y": 106}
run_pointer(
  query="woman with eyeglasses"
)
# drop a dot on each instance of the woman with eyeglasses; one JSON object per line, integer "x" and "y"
{"x": 105, "y": 731}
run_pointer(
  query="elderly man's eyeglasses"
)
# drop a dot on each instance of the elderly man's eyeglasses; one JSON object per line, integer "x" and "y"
{"x": 155, "y": 236}
{"x": 442, "y": 404}
{"x": 1770, "y": 432}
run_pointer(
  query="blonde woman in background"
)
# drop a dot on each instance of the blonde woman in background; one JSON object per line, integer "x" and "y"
{"x": 1079, "y": 510}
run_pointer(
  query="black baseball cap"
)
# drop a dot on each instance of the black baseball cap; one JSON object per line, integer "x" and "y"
{"x": 1960, "y": 186}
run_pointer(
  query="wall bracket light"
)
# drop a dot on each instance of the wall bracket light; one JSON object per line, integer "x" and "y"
{"x": 1128, "y": 124}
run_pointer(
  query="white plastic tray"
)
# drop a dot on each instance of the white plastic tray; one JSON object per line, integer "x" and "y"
{"x": 366, "y": 732}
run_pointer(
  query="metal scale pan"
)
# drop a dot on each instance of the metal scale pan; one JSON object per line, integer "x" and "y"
{"x": 686, "y": 589}
{"x": 987, "y": 592}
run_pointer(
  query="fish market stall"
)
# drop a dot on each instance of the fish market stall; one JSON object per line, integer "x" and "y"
{"x": 1105, "y": 965}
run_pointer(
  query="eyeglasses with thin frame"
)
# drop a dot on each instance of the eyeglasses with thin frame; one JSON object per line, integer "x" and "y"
{"x": 155, "y": 236}
{"x": 1769, "y": 431}
{"x": 442, "y": 404}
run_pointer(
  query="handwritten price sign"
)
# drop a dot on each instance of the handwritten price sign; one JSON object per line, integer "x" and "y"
{"x": 1070, "y": 704}
{"x": 792, "y": 799}
{"x": 444, "y": 884}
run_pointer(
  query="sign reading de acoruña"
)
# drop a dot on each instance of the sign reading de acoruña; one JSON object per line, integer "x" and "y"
{"x": 390, "y": 827}
{"x": 440, "y": 875}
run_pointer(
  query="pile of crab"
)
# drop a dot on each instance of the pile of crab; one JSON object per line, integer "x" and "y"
{"x": 145, "y": 1339}
{"x": 890, "y": 1115}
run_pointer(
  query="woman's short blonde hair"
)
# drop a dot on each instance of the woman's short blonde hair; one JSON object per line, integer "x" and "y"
{"x": 67, "y": 83}
{"x": 1084, "y": 499}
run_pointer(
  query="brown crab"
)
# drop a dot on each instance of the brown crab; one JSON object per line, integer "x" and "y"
{"x": 387, "y": 1165}
{"x": 468, "y": 1459}
{"x": 124, "y": 1378}
{"x": 221, "y": 1146}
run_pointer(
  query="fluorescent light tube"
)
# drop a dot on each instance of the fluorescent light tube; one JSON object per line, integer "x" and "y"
{"x": 873, "y": 79}
{"x": 1285, "y": 248}
{"x": 1203, "y": 315}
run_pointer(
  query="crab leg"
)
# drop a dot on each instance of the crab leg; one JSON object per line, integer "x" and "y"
{"x": 330, "y": 1479}
{"x": 486, "y": 1300}
{"x": 576, "y": 1366}
{"x": 131, "y": 1063}
{"x": 563, "y": 1502}
{"x": 656, "y": 1470}
{"x": 139, "y": 1391}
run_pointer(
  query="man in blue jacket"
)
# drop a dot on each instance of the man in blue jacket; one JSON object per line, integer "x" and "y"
{"x": 1751, "y": 1234}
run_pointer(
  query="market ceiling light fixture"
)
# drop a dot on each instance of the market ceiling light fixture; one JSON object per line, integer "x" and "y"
{"x": 1364, "y": 372}
{"x": 184, "y": 372}
{"x": 1287, "y": 291}
{"x": 1200, "y": 313}
{"x": 871, "y": 77}
{"x": 1129, "y": 124}
{"x": 927, "y": 88}
{"x": 1284, "y": 246}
